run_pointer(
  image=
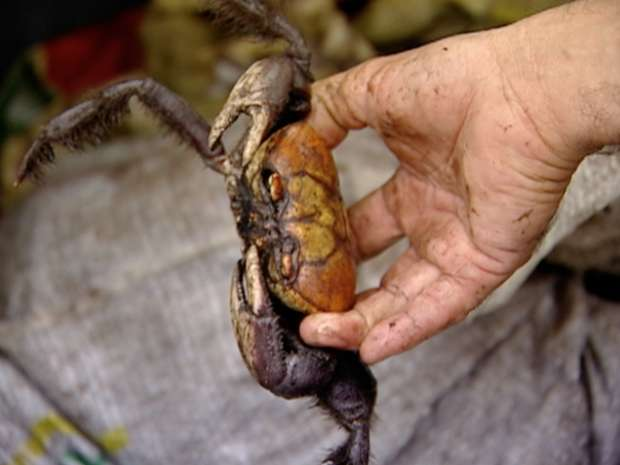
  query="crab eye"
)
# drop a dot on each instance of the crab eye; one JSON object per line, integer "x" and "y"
{"x": 273, "y": 182}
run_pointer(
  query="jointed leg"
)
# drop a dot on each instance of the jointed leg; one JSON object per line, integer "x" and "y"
{"x": 270, "y": 345}
{"x": 90, "y": 121}
{"x": 350, "y": 400}
{"x": 261, "y": 19}
{"x": 269, "y": 342}
{"x": 354, "y": 451}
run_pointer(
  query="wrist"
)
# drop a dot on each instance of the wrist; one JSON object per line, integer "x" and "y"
{"x": 564, "y": 64}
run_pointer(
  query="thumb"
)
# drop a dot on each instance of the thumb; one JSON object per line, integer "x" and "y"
{"x": 345, "y": 100}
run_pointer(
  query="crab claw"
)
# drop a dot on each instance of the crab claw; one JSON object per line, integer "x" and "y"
{"x": 262, "y": 93}
{"x": 251, "y": 311}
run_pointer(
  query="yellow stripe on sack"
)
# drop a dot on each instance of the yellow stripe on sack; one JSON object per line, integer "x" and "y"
{"x": 42, "y": 431}
{"x": 114, "y": 440}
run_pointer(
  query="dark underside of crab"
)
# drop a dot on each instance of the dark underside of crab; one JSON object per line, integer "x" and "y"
{"x": 268, "y": 337}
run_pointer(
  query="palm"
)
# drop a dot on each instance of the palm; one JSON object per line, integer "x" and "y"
{"x": 468, "y": 193}
{"x": 471, "y": 192}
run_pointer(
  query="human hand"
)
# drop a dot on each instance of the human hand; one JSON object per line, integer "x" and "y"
{"x": 485, "y": 158}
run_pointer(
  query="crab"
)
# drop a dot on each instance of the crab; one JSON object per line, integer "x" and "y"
{"x": 284, "y": 195}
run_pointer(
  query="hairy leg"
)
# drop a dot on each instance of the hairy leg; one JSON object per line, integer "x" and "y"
{"x": 90, "y": 121}
{"x": 350, "y": 400}
{"x": 268, "y": 338}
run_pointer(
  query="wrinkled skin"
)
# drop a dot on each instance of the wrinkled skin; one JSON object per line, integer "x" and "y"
{"x": 267, "y": 334}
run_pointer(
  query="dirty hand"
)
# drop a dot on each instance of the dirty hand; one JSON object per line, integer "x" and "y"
{"x": 488, "y": 129}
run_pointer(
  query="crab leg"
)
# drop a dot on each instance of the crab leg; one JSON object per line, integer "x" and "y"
{"x": 286, "y": 368}
{"x": 270, "y": 345}
{"x": 90, "y": 121}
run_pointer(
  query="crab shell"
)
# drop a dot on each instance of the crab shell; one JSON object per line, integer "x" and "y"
{"x": 313, "y": 269}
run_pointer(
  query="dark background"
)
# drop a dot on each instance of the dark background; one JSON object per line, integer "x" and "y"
{"x": 26, "y": 22}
